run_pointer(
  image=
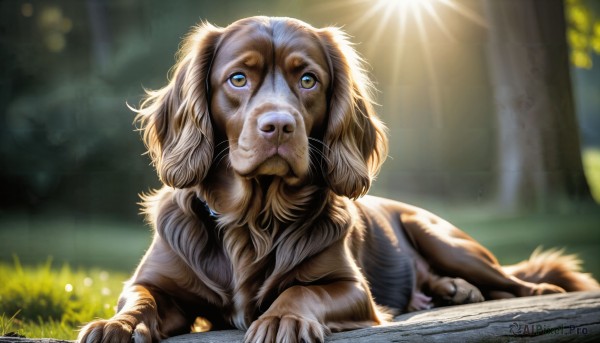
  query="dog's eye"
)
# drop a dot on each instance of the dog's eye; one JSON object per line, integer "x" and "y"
{"x": 238, "y": 80}
{"x": 308, "y": 81}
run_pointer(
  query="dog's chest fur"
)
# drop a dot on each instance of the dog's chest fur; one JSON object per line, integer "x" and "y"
{"x": 265, "y": 247}
{"x": 254, "y": 286}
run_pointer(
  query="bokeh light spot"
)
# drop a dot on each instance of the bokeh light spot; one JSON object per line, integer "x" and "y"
{"x": 55, "y": 42}
{"x": 27, "y": 10}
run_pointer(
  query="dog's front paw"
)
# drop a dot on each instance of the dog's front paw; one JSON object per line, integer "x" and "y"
{"x": 113, "y": 330}
{"x": 286, "y": 328}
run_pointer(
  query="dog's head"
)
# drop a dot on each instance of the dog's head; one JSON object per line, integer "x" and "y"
{"x": 273, "y": 95}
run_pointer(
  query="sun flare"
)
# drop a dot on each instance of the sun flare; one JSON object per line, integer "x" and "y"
{"x": 406, "y": 4}
{"x": 398, "y": 25}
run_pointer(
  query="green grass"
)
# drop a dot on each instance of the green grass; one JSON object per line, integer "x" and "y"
{"x": 46, "y": 301}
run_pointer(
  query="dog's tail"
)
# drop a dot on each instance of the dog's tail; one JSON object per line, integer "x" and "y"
{"x": 554, "y": 267}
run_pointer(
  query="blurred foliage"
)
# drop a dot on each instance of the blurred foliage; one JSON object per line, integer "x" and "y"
{"x": 583, "y": 32}
{"x": 53, "y": 24}
{"x": 45, "y": 301}
{"x": 66, "y": 135}
{"x": 583, "y": 36}
{"x": 591, "y": 163}
{"x": 68, "y": 145}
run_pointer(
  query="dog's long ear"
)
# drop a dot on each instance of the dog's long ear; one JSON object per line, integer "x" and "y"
{"x": 355, "y": 138}
{"x": 175, "y": 120}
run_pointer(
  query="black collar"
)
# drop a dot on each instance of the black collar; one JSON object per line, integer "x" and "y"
{"x": 204, "y": 208}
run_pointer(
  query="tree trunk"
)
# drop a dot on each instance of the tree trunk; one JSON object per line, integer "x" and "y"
{"x": 539, "y": 158}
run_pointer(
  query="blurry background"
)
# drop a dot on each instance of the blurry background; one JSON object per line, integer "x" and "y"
{"x": 489, "y": 114}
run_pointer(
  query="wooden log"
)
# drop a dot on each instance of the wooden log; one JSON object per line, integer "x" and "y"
{"x": 571, "y": 317}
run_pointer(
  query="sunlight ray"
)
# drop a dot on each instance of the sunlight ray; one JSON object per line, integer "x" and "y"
{"x": 431, "y": 76}
{"x": 404, "y": 17}
{"x": 401, "y": 32}
{"x": 436, "y": 18}
{"x": 367, "y": 16}
{"x": 465, "y": 12}
{"x": 379, "y": 31}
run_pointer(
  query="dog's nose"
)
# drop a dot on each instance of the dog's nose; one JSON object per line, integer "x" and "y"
{"x": 276, "y": 125}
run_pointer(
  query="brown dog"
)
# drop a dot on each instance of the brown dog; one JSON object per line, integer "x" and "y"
{"x": 264, "y": 139}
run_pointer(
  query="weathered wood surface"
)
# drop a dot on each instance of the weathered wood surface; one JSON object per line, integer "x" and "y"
{"x": 573, "y": 317}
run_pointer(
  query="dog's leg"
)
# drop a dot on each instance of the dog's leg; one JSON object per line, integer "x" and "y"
{"x": 453, "y": 291}
{"x": 309, "y": 313}
{"x": 143, "y": 316}
{"x": 137, "y": 318}
{"x": 441, "y": 291}
{"x": 451, "y": 252}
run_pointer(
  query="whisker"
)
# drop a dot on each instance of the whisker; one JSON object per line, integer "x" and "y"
{"x": 314, "y": 153}
{"x": 312, "y": 168}
{"x": 322, "y": 155}
{"x": 221, "y": 155}
{"x": 222, "y": 142}
{"x": 221, "y": 152}
{"x": 312, "y": 139}
{"x": 310, "y": 164}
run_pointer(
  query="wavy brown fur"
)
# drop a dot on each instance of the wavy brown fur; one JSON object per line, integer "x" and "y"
{"x": 259, "y": 224}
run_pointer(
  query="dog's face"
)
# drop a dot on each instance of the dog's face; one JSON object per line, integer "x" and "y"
{"x": 274, "y": 96}
{"x": 268, "y": 96}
